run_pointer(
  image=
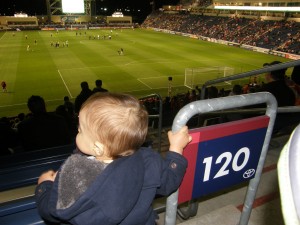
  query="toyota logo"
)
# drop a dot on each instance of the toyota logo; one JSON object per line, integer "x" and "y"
{"x": 249, "y": 173}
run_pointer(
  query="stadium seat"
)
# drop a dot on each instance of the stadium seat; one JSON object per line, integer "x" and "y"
{"x": 25, "y": 168}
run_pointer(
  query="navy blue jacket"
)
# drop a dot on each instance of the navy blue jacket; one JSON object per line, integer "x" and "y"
{"x": 121, "y": 194}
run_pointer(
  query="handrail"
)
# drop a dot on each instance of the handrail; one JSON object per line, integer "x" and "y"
{"x": 249, "y": 73}
{"x": 205, "y": 106}
{"x": 294, "y": 159}
{"x": 159, "y": 116}
{"x": 283, "y": 109}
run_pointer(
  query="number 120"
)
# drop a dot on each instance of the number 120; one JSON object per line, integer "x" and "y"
{"x": 223, "y": 171}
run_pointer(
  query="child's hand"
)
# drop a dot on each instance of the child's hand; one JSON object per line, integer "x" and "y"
{"x": 49, "y": 175}
{"x": 179, "y": 140}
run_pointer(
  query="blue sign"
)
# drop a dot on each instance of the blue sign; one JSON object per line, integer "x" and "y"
{"x": 221, "y": 156}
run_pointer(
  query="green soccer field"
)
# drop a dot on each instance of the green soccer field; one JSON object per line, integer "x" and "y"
{"x": 149, "y": 59}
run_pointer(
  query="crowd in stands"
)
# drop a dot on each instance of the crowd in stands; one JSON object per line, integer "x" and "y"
{"x": 285, "y": 89}
{"x": 40, "y": 129}
{"x": 274, "y": 35}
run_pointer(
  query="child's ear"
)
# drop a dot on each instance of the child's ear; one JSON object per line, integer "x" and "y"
{"x": 98, "y": 148}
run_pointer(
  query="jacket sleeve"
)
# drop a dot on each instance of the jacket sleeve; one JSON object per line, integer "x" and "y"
{"x": 42, "y": 195}
{"x": 173, "y": 170}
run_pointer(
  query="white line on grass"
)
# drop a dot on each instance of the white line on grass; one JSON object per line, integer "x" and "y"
{"x": 123, "y": 64}
{"x": 65, "y": 83}
{"x": 144, "y": 84}
{"x": 3, "y": 106}
{"x": 52, "y": 100}
{"x": 2, "y": 36}
{"x": 159, "y": 88}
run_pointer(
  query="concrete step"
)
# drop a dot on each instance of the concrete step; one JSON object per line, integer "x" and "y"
{"x": 227, "y": 215}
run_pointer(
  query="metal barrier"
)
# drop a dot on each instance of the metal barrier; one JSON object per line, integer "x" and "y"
{"x": 156, "y": 116}
{"x": 248, "y": 74}
{"x": 205, "y": 106}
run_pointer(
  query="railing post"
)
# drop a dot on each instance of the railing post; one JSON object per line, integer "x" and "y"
{"x": 209, "y": 105}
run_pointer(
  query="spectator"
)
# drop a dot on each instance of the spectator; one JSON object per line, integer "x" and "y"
{"x": 236, "y": 90}
{"x": 98, "y": 87}
{"x": 67, "y": 110}
{"x": 118, "y": 181}
{"x": 70, "y": 121}
{"x": 69, "y": 106}
{"x": 8, "y": 137}
{"x": 42, "y": 129}
{"x": 85, "y": 93}
{"x": 212, "y": 92}
{"x": 274, "y": 35}
{"x": 277, "y": 86}
{"x": 295, "y": 77}
{"x": 4, "y": 85}
{"x": 18, "y": 119}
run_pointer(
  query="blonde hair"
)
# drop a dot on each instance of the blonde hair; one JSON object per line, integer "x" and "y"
{"x": 118, "y": 121}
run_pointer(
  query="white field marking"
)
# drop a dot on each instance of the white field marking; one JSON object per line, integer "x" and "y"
{"x": 4, "y": 106}
{"x": 151, "y": 78}
{"x": 125, "y": 64}
{"x": 3, "y": 35}
{"x": 140, "y": 80}
{"x": 144, "y": 84}
{"x": 65, "y": 83}
{"x": 138, "y": 62}
{"x": 153, "y": 88}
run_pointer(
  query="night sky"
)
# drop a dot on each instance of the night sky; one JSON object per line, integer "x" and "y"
{"x": 139, "y": 8}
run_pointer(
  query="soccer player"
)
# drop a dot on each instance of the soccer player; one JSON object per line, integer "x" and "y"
{"x": 3, "y": 85}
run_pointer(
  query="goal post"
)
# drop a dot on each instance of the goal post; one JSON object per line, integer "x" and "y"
{"x": 198, "y": 76}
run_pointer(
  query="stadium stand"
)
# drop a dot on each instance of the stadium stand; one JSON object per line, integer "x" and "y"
{"x": 12, "y": 211}
{"x": 270, "y": 34}
{"x": 23, "y": 169}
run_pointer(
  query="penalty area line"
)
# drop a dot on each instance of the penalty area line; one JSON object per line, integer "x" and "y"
{"x": 65, "y": 84}
{"x": 144, "y": 84}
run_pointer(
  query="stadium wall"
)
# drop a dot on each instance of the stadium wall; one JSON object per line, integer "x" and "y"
{"x": 71, "y": 19}
{"x": 119, "y": 20}
{"x": 12, "y": 21}
{"x": 61, "y": 19}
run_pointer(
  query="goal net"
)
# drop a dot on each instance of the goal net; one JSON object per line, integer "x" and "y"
{"x": 198, "y": 76}
{"x": 78, "y": 27}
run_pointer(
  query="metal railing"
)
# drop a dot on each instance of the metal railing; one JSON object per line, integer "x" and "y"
{"x": 209, "y": 105}
{"x": 156, "y": 116}
{"x": 192, "y": 208}
{"x": 249, "y": 74}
